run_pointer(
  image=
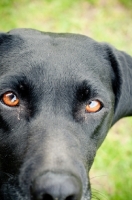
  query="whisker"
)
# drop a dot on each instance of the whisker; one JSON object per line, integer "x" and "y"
{"x": 98, "y": 176}
{"x": 96, "y": 194}
{"x": 9, "y": 175}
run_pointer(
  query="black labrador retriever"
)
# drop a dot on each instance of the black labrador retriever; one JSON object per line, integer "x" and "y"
{"x": 59, "y": 95}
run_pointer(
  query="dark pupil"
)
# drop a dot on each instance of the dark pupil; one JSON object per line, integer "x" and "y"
{"x": 11, "y": 97}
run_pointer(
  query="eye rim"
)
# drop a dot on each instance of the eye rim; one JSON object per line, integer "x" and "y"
{"x": 94, "y": 109}
{"x": 10, "y": 104}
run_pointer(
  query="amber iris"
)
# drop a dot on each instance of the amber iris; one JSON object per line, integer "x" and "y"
{"x": 10, "y": 99}
{"x": 93, "y": 106}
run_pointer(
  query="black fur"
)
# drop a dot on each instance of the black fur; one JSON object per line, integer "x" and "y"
{"x": 48, "y": 142}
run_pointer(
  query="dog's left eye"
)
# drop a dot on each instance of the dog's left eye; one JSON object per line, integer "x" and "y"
{"x": 10, "y": 99}
{"x": 93, "y": 106}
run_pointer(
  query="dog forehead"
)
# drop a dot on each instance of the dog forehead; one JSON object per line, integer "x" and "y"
{"x": 53, "y": 54}
{"x": 50, "y": 45}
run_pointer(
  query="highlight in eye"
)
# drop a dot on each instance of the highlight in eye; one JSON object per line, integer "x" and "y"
{"x": 93, "y": 106}
{"x": 10, "y": 99}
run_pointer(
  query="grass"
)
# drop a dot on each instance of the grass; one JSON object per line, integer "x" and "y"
{"x": 111, "y": 171}
{"x": 108, "y": 21}
{"x": 105, "y": 21}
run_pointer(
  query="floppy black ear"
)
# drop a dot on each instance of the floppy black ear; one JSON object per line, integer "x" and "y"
{"x": 5, "y": 40}
{"x": 121, "y": 64}
{"x": 2, "y": 37}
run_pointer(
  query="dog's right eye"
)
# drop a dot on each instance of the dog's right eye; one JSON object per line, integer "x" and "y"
{"x": 10, "y": 99}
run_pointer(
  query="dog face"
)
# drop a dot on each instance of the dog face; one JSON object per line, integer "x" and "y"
{"x": 59, "y": 97}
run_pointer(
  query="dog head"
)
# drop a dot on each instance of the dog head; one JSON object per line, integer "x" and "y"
{"x": 59, "y": 95}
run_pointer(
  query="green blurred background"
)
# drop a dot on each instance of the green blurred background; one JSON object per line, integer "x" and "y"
{"x": 103, "y": 20}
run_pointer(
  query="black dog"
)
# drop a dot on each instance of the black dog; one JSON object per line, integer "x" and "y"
{"x": 60, "y": 94}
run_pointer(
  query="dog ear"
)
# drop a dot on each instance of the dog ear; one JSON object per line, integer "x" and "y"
{"x": 2, "y": 37}
{"x": 5, "y": 41}
{"x": 121, "y": 64}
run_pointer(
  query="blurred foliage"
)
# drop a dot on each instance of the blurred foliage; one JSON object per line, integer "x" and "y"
{"x": 101, "y": 19}
{"x": 127, "y": 3}
{"x": 116, "y": 154}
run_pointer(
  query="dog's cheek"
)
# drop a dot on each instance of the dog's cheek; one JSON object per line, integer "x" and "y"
{"x": 13, "y": 144}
